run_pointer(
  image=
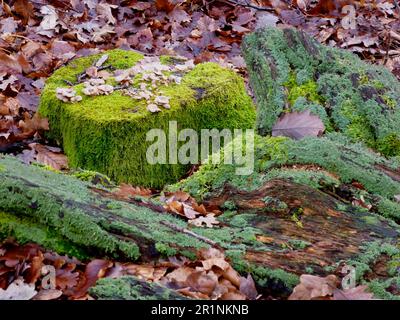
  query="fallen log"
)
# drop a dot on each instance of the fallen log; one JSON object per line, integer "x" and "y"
{"x": 318, "y": 203}
{"x": 275, "y": 232}
{"x": 290, "y": 71}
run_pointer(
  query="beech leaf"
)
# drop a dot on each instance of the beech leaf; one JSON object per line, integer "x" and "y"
{"x": 297, "y": 125}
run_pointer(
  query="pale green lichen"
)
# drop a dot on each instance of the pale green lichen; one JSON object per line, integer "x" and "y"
{"x": 287, "y": 68}
{"x": 24, "y": 230}
{"x": 131, "y": 288}
{"x": 342, "y": 161}
{"x": 108, "y": 133}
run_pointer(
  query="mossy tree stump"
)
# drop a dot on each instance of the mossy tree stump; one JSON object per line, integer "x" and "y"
{"x": 107, "y": 133}
{"x": 290, "y": 71}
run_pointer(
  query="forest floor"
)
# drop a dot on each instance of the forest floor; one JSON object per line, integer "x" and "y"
{"x": 37, "y": 37}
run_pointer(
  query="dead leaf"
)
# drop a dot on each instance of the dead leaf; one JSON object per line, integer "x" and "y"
{"x": 95, "y": 270}
{"x": 9, "y": 63}
{"x": 209, "y": 221}
{"x": 127, "y": 191}
{"x": 24, "y": 8}
{"x": 202, "y": 282}
{"x": 49, "y": 294}
{"x": 18, "y": 290}
{"x": 56, "y": 160}
{"x": 313, "y": 287}
{"x": 248, "y": 287}
{"x": 356, "y": 293}
{"x": 297, "y": 125}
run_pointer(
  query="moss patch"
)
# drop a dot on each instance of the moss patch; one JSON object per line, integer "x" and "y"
{"x": 291, "y": 71}
{"x": 301, "y": 162}
{"x": 108, "y": 133}
{"x": 131, "y": 288}
{"x": 25, "y": 230}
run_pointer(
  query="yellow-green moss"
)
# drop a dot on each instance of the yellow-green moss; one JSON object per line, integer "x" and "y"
{"x": 108, "y": 133}
{"x": 308, "y": 90}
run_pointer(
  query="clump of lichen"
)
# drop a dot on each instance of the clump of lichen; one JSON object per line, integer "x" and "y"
{"x": 107, "y": 133}
{"x": 289, "y": 71}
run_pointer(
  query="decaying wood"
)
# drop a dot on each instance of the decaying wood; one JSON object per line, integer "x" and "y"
{"x": 102, "y": 226}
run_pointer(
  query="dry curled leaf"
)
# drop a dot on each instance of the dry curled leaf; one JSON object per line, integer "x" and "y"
{"x": 314, "y": 287}
{"x": 356, "y": 293}
{"x": 248, "y": 287}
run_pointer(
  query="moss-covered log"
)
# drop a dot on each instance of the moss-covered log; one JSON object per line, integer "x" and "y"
{"x": 318, "y": 202}
{"x": 290, "y": 71}
{"x": 131, "y": 288}
{"x": 274, "y": 226}
{"x": 101, "y": 131}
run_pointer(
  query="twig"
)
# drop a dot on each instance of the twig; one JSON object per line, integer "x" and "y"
{"x": 83, "y": 74}
{"x": 190, "y": 233}
{"x": 388, "y": 44}
{"x": 247, "y": 4}
{"x": 69, "y": 83}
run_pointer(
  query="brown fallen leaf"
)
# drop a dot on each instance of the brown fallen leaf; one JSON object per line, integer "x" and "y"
{"x": 233, "y": 296}
{"x": 193, "y": 294}
{"x": 95, "y": 270}
{"x": 297, "y": 125}
{"x": 67, "y": 277}
{"x": 44, "y": 155}
{"x": 202, "y": 281}
{"x": 36, "y": 123}
{"x": 49, "y": 294}
{"x": 314, "y": 287}
{"x": 34, "y": 271}
{"x": 24, "y": 8}
{"x": 356, "y": 293}
{"x": 248, "y": 287}
{"x": 126, "y": 191}
{"x": 9, "y": 63}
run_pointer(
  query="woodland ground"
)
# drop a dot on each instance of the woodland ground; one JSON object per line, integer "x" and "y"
{"x": 38, "y": 37}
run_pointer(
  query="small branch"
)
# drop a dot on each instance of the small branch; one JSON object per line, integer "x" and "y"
{"x": 247, "y": 4}
{"x": 190, "y": 233}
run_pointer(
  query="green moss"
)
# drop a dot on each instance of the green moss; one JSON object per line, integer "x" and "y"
{"x": 131, "y": 288}
{"x": 25, "y": 230}
{"x": 370, "y": 254}
{"x": 342, "y": 161}
{"x": 93, "y": 177}
{"x": 287, "y": 68}
{"x": 389, "y": 145}
{"x": 379, "y": 288}
{"x": 298, "y": 244}
{"x": 165, "y": 250}
{"x": 308, "y": 90}
{"x": 108, "y": 133}
{"x": 371, "y": 220}
{"x": 67, "y": 206}
{"x": 270, "y": 279}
